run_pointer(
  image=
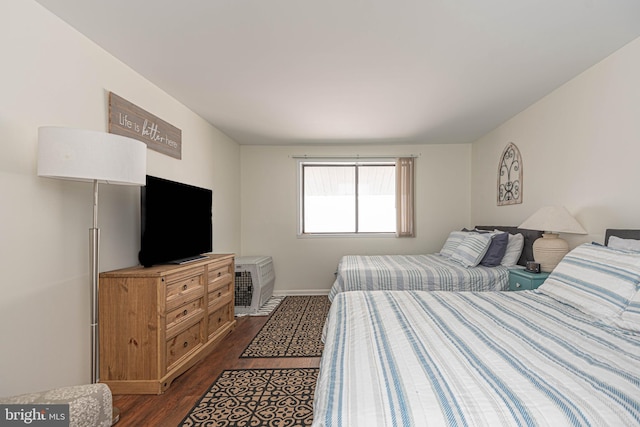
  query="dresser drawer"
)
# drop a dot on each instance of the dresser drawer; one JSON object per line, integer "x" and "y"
{"x": 219, "y": 272}
{"x": 184, "y": 313}
{"x": 219, "y": 276}
{"x": 219, "y": 295}
{"x": 223, "y": 280}
{"x": 219, "y": 318}
{"x": 181, "y": 289}
{"x": 183, "y": 344}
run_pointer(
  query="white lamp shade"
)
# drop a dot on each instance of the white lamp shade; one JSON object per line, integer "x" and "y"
{"x": 85, "y": 155}
{"x": 549, "y": 250}
{"x": 556, "y": 219}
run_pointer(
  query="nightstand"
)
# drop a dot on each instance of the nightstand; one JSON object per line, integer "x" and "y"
{"x": 520, "y": 280}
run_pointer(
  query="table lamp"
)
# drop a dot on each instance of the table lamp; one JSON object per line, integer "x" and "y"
{"x": 550, "y": 249}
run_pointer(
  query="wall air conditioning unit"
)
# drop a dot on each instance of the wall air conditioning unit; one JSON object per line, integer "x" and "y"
{"x": 255, "y": 279}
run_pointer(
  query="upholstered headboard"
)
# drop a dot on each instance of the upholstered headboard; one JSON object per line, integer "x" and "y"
{"x": 623, "y": 234}
{"x": 530, "y": 236}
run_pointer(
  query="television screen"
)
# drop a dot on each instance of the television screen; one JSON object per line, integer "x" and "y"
{"x": 176, "y": 222}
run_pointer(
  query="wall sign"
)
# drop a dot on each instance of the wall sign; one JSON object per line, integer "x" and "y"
{"x": 510, "y": 176}
{"x": 127, "y": 119}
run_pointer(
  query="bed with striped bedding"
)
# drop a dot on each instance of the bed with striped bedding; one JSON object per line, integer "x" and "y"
{"x": 414, "y": 272}
{"x": 473, "y": 358}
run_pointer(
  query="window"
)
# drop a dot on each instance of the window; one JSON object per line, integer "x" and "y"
{"x": 354, "y": 197}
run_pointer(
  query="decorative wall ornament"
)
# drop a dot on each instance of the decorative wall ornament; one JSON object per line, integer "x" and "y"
{"x": 129, "y": 120}
{"x": 510, "y": 176}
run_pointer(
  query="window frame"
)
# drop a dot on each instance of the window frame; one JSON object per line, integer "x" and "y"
{"x": 346, "y": 162}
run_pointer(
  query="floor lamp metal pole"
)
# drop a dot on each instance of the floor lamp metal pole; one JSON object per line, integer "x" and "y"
{"x": 94, "y": 248}
{"x": 94, "y": 245}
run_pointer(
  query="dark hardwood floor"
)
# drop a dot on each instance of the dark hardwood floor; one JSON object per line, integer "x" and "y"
{"x": 169, "y": 409}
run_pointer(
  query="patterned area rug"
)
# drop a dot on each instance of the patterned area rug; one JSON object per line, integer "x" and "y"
{"x": 266, "y": 308}
{"x": 257, "y": 398}
{"x": 293, "y": 330}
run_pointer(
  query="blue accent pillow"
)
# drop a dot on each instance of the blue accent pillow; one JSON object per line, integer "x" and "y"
{"x": 496, "y": 250}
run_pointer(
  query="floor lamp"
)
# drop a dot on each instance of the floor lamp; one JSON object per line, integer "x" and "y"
{"x": 97, "y": 157}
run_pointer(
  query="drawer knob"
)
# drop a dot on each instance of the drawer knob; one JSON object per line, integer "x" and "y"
{"x": 219, "y": 294}
{"x": 518, "y": 285}
{"x": 184, "y": 312}
{"x": 219, "y": 273}
{"x": 184, "y": 287}
{"x": 185, "y": 345}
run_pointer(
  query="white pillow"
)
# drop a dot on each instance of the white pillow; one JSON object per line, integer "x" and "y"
{"x": 470, "y": 252}
{"x": 514, "y": 250}
{"x": 624, "y": 244}
{"x": 630, "y": 317}
{"x": 454, "y": 239}
{"x": 595, "y": 279}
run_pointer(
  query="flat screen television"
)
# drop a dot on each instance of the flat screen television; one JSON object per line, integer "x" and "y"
{"x": 176, "y": 222}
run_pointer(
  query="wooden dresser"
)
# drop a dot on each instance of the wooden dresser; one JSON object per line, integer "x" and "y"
{"x": 157, "y": 322}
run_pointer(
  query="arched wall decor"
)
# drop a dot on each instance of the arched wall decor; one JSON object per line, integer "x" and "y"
{"x": 510, "y": 176}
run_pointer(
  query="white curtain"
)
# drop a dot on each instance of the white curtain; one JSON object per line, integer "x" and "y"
{"x": 405, "y": 225}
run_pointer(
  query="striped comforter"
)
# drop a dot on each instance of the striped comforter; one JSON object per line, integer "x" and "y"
{"x": 477, "y": 359}
{"x": 414, "y": 272}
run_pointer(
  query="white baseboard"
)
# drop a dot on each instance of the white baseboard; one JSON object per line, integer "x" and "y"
{"x": 293, "y": 292}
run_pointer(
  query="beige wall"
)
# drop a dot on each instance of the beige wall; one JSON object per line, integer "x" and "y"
{"x": 306, "y": 265}
{"x": 51, "y": 75}
{"x": 580, "y": 147}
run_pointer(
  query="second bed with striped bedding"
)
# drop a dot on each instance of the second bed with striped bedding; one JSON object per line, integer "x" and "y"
{"x": 478, "y": 359}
